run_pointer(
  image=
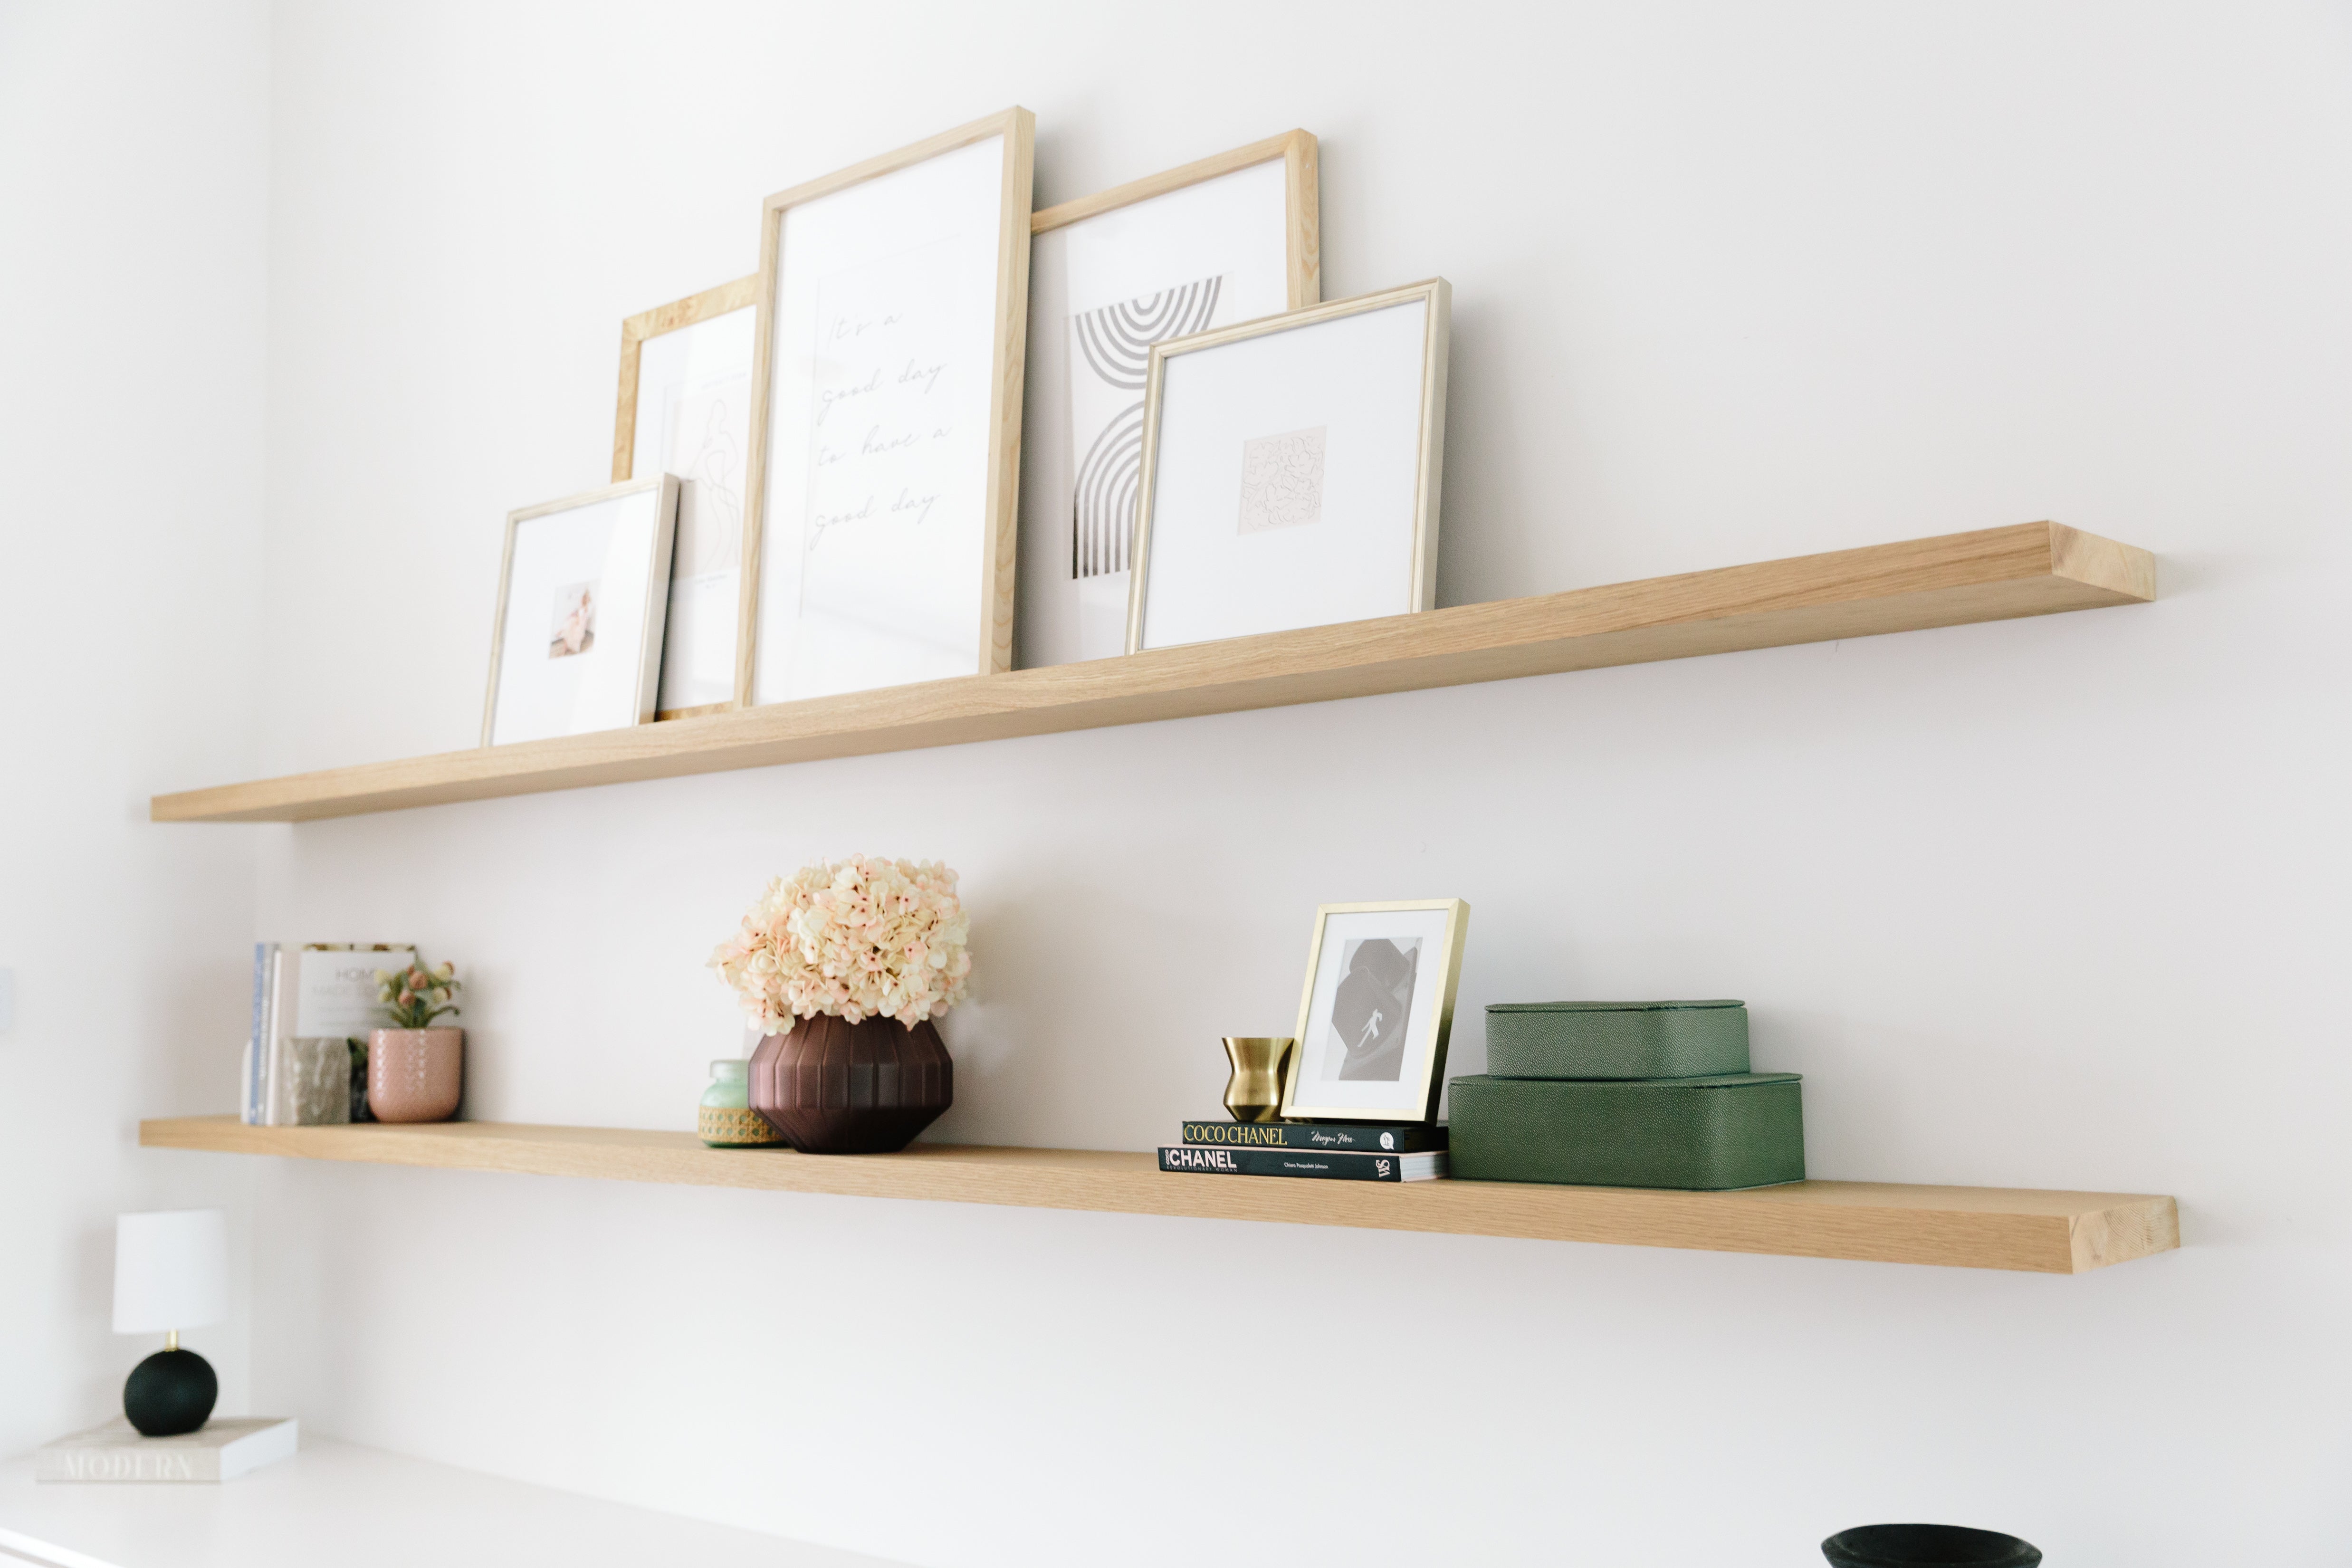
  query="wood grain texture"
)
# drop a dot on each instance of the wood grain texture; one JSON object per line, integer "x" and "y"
{"x": 2001, "y": 573}
{"x": 1972, "y": 1227}
{"x": 741, "y": 295}
{"x": 1302, "y": 189}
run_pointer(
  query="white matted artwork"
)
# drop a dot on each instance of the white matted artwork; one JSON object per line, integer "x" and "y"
{"x": 582, "y": 600}
{"x": 1291, "y": 470}
{"x": 1223, "y": 240}
{"x": 685, "y": 408}
{"x": 886, "y": 419}
{"x": 1377, "y": 1013}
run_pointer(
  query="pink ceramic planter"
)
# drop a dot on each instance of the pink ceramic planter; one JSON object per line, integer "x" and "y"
{"x": 416, "y": 1075}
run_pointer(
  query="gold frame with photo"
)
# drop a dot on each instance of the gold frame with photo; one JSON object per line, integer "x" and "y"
{"x": 1438, "y": 296}
{"x": 1429, "y": 1054}
{"x": 1001, "y": 515}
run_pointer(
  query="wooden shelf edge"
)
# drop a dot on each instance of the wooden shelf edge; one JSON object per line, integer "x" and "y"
{"x": 2001, "y": 573}
{"x": 1979, "y": 1227}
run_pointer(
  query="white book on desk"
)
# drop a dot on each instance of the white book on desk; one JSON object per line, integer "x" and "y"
{"x": 220, "y": 1450}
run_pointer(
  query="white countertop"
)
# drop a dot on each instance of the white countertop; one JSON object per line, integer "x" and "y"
{"x": 361, "y": 1508}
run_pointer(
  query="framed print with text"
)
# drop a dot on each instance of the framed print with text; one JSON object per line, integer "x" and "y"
{"x": 583, "y": 595}
{"x": 1223, "y": 240}
{"x": 685, "y": 408}
{"x": 879, "y": 531}
{"x": 1379, "y": 1012}
{"x": 1291, "y": 471}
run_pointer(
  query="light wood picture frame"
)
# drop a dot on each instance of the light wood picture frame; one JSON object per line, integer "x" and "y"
{"x": 1214, "y": 243}
{"x": 1291, "y": 470}
{"x": 920, "y": 255}
{"x": 695, "y": 423}
{"x": 1377, "y": 1013}
{"x": 584, "y": 590}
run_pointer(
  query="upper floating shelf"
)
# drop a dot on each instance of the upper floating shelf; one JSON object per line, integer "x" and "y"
{"x": 1997, "y": 574}
{"x": 1967, "y": 1228}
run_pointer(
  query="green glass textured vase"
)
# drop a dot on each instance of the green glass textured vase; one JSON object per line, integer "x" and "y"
{"x": 726, "y": 1119}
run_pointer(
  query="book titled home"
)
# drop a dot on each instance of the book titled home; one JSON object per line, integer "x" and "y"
{"x": 1223, "y": 1162}
{"x": 220, "y": 1450}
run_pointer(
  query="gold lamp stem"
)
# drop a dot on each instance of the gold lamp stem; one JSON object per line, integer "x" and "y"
{"x": 171, "y": 1339}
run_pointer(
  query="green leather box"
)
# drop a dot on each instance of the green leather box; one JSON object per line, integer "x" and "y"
{"x": 1616, "y": 1039}
{"x": 1703, "y": 1134}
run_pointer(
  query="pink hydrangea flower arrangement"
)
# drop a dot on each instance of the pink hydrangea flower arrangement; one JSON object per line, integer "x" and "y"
{"x": 862, "y": 938}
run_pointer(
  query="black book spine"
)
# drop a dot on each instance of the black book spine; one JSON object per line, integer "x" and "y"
{"x": 1194, "y": 1157}
{"x": 1331, "y": 1138}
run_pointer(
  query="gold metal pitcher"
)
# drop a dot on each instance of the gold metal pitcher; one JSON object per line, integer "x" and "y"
{"x": 1255, "y": 1093}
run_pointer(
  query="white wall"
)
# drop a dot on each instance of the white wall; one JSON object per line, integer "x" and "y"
{"x": 2052, "y": 903}
{"x": 133, "y": 235}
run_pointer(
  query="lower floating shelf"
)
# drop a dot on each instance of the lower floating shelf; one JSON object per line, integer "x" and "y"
{"x": 1970, "y": 1227}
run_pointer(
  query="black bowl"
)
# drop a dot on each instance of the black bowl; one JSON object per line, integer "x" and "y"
{"x": 1927, "y": 1546}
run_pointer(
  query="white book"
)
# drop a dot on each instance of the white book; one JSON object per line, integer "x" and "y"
{"x": 219, "y": 1450}
{"x": 319, "y": 993}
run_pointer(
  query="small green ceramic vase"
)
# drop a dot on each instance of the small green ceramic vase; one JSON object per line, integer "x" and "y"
{"x": 726, "y": 1119}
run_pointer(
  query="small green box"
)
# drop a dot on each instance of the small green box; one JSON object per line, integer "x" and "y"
{"x": 1616, "y": 1039}
{"x": 1703, "y": 1135}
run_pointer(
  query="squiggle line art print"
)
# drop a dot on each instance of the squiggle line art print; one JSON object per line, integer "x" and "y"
{"x": 1282, "y": 481}
{"x": 1110, "y": 353}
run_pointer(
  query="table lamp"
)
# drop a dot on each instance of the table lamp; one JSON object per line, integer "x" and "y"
{"x": 171, "y": 1272}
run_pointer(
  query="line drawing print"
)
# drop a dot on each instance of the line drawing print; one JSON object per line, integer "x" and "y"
{"x": 1110, "y": 357}
{"x": 1282, "y": 481}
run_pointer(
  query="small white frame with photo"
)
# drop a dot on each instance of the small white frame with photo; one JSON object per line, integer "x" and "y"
{"x": 1378, "y": 1012}
{"x": 582, "y": 596}
{"x": 1291, "y": 471}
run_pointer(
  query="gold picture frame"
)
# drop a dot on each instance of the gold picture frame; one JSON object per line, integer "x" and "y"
{"x": 1017, "y": 127}
{"x": 1336, "y": 1070}
{"x": 1420, "y": 575}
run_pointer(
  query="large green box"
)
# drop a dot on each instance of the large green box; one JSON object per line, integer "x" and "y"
{"x": 1707, "y": 1134}
{"x": 1616, "y": 1039}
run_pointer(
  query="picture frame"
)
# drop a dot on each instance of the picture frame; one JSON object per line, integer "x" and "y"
{"x": 881, "y": 550}
{"x": 584, "y": 590}
{"x": 1354, "y": 1061}
{"x": 685, "y": 408}
{"x": 1219, "y": 241}
{"x": 1291, "y": 470}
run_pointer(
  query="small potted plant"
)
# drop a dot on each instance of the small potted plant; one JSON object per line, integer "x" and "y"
{"x": 416, "y": 1070}
{"x": 844, "y": 966}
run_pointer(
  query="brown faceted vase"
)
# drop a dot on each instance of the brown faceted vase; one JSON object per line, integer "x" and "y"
{"x": 837, "y": 1087}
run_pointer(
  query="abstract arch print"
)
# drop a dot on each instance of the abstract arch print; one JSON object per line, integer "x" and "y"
{"x": 1110, "y": 352}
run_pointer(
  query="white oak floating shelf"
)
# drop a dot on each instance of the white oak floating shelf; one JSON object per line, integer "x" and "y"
{"x": 1968, "y": 1227}
{"x": 1998, "y": 574}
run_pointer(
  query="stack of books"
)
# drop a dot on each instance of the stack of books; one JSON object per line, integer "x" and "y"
{"x": 311, "y": 1003}
{"x": 1332, "y": 1150}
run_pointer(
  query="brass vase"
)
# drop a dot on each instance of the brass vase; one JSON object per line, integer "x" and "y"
{"x": 1254, "y": 1091}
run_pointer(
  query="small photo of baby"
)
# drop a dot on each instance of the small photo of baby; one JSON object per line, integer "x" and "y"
{"x": 574, "y": 629}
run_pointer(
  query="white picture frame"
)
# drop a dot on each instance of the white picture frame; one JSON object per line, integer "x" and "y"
{"x": 582, "y": 595}
{"x": 685, "y": 408}
{"x": 880, "y": 526}
{"x": 1291, "y": 471}
{"x": 1378, "y": 1012}
{"x": 1223, "y": 240}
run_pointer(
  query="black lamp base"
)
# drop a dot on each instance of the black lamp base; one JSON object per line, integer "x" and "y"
{"x": 170, "y": 1393}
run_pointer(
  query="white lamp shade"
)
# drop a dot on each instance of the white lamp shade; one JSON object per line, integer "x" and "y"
{"x": 170, "y": 1270}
